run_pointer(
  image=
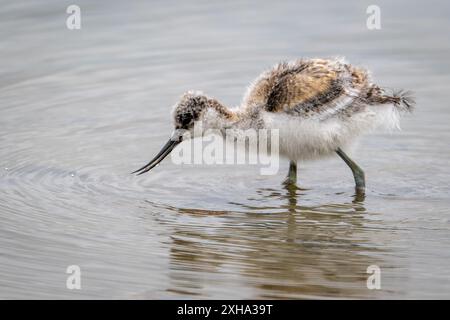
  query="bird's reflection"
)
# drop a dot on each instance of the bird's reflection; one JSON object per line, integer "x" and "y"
{"x": 280, "y": 251}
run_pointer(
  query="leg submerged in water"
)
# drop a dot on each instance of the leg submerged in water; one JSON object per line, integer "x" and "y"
{"x": 358, "y": 173}
{"x": 292, "y": 174}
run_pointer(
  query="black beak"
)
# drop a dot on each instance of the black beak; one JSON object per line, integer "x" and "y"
{"x": 168, "y": 147}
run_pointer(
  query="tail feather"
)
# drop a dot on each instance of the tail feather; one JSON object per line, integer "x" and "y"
{"x": 403, "y": 100}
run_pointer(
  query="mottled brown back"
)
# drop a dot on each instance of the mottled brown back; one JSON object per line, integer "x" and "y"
{"x": 306, "y": 85}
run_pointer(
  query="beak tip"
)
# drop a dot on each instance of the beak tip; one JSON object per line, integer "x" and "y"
{"x": 167, "y": 148}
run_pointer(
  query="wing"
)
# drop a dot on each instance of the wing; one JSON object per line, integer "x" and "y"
{"x": 308, "y": 86}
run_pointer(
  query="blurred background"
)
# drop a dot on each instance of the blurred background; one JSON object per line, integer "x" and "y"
{"x": 80, "y": 109}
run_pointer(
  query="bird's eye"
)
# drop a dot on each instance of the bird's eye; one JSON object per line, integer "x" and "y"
{"x": 185, "y": 119}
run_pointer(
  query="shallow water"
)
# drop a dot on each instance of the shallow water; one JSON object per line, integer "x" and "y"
{"x": 81, "y": 109}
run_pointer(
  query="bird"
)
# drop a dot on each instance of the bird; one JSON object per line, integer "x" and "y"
{"x": 320, "y": 107}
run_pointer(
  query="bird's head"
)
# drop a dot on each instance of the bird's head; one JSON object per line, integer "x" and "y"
{"x": 192, "y": 108}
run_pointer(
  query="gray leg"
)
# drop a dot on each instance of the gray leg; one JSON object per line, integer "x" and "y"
{"x": 292, "y": 175}
{"x": 358, "y": 173}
